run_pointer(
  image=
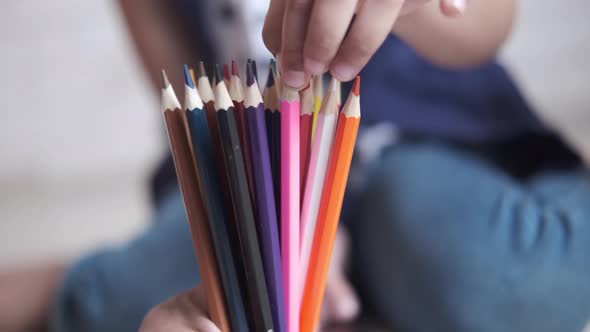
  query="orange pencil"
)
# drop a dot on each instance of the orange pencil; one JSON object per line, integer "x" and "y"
{"x": 331, "y": 205}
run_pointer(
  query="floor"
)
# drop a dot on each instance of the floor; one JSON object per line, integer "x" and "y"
{"x": 80, "y": 129}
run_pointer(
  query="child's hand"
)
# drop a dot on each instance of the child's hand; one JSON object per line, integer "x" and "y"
{"x": 187, "y": 312}
{"x": 310, "y": 36}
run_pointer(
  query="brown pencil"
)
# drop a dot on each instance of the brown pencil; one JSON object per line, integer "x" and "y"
{"x": 187, "y": 177}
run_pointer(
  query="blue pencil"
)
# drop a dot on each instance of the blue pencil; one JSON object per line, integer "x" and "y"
{"x": 213, "y": 200}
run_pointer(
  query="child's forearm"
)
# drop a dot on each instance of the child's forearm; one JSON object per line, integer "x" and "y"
{"x": 462, "y": 41}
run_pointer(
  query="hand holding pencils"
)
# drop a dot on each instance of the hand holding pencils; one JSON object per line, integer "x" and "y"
{"x": 263, "y": 181}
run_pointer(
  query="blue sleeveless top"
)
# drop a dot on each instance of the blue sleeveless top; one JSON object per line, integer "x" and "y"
{"x": 481, "y": 104}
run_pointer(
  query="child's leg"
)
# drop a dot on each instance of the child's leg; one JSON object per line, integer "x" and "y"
{"x": 112, "y": 290}
{"x": 447, "y": 242}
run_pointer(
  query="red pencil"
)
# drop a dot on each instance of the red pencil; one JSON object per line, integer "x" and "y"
{"x": 306, "y": 96}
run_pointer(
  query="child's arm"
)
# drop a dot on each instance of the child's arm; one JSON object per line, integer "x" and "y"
{"x": 463, "y": 41}
{"x": 311, "y": 37}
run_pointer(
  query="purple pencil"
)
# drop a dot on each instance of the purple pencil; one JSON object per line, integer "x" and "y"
{"x": 268, "y": 235}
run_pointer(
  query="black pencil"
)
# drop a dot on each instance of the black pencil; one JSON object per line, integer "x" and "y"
{"x": 212, "y": 197}
{"x": 272, "y": 116}
{"x": 256, "y": 289}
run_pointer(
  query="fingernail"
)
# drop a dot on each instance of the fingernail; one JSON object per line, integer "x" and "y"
{"x": 343, "y": 71}
{"x": 314, "y": 67}
{"x": 460, "y": 5}
{"x": 294, "y": 79}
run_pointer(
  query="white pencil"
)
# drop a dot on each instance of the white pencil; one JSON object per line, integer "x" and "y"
{"x": 316, "y": 173}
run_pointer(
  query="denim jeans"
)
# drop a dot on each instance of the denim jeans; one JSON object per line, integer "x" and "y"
{"x": 442, "y": 240}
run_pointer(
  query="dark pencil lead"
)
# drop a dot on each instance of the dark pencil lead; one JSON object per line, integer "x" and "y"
{"x": 201, "y": 72}
{"x": 188, "y": 79}
{"x": 226, "y": 72}
{"x": 270, "y": 81}
{"x": 273, "y": 64}
{"x": 218, "y": 76}
{"x": 255, "y": 70}
{"x": 165, "y": 80}
{"x": 356, "y": 87}
{"x": 234, "y": 68}
{"x": 250, "y": 78}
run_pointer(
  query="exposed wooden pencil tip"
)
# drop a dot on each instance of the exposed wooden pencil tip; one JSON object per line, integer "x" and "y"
{"x": 226, "y": 72}
{"x": 202, "y": 72}
{"x": 306, "y": 86}
{"x": 218, "y": 76}
{"x": 356, "y": 86}
{"x": 250, "y": 77}
{"x": 188, "y": 79}
{"x": 234, "y": 68}
{"x": 165, "y": 80}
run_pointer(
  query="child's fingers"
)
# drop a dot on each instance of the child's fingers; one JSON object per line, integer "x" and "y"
{"x": 273, "y": 26}
{"x": 327, "y": 27}
{"x": 453, "y": 7}
{"x": 372, "y": 25}
{"x": 293, "y": 37}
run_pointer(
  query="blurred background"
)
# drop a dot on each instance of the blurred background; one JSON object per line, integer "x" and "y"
{"x": 80, "y": 128}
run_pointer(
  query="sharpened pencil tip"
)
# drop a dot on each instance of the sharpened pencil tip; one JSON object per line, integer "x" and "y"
{"x": 218, "y": 76}
{"x": 201, "y": 72}
{"x": 165, "y": 80}
{"x": 234, "y": 68}
{"x": 250, "y": 78}
{"x": 188, "y": 79}
{"x": 270, "y": 81}
{"x": 356, "y": 86}
{"x": 226, "y": 72}
{"x": 255, "y": 70}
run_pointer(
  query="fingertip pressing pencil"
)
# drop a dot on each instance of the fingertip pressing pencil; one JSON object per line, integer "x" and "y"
{"x": 237, "y": 96}
{"x": 273, "y": 126}
{"x": 290, "y": 203}
{"x": 318, "y": 166}
{"x": 213, "y": 200}
{"x": 331, "y": 205}
{"x": 187, "y": 178}
{"x": 267, "y": 217}
{"x": 256, "y": 289}
{"x": 306, "y": 122}
{"x": 318, "y": 97}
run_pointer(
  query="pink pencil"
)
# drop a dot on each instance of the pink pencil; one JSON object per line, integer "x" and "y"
{"x": 290, "y": 200}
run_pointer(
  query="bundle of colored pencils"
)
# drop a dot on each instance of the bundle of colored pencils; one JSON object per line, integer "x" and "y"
{"x": 263, "y": 181}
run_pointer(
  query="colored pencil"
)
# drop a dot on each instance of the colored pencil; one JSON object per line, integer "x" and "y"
{"x": 318, "y": 97}
{"x": 187, "y": 178}
{"x": 257, "y": 294}
{"x": 209, "y": 105}
{"x": 306, "y": 121}
{"x": 316, "y": 173}
{"x": 226, "y": 74}
{"x": 290, "y": 203}
{"x": 330, "y": 209}
{"x": 273, "y": 126}
{"x": 268, "y": 235}
{"x": 237, "y": 96}
{"x": 213, "y": 199}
